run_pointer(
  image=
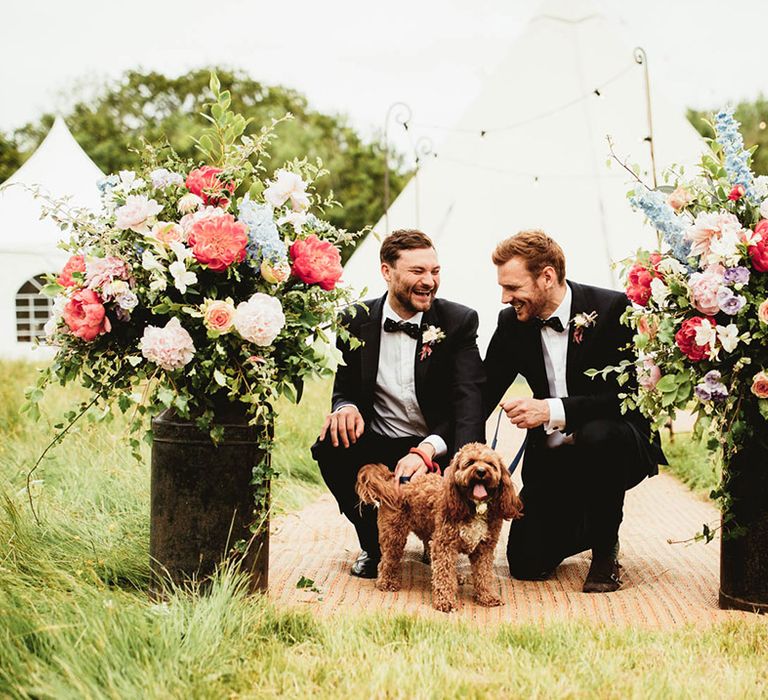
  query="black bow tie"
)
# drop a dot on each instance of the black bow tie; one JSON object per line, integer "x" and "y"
{"x": 554, "y": 323}
{"x": 410, "y": 329}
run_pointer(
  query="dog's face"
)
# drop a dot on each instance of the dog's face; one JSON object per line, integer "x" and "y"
{"x": 477, "y": 472}
{"x": 477, "y": 475}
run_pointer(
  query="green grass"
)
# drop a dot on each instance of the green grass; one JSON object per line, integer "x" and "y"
{"x": 76, "y": 621}
{"x": 690, "y": 461}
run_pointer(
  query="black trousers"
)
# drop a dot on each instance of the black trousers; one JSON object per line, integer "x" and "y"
{"x": 339, "y": 467}
{"x": 573, "y": 496}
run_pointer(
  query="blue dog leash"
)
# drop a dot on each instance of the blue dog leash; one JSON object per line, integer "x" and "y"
{"x": 520, "y": 452}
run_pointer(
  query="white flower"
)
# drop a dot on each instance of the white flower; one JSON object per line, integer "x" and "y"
{"x": 127, "y": 300}
{"x": 752, "y": 238}
{"x": 725, "y": 248}
{"x": 764, "y": 209}
{"x": 150, "y": 263}
{"x": 296, "y": 218}
{"x": 260, "y": 319}
{"x": 671, "y": 266}
{"x": 432, "y": 334}
{"x": 182, "y": 278}
{"x": 706, "y": 333}
{"x": 57, "y": 311}
{"x": 162, "y": 178}
{"x": 136, "y": 213}
{"x": 170, "y": 347}
{"x": 189, "y": 203}
{"x": 760, "y": 187}
{"x": 287, "y": 185}
{"x": 159, "y": 284}
{"x": 129, "y": 181}
{"x": 659, "y": 291}
{"x": 728, "y": 336}
{"x": 181, "y": 251}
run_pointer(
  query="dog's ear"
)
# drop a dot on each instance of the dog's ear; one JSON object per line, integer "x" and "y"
{"x": 456, "y": 508}
{"x": 510, "y": 506}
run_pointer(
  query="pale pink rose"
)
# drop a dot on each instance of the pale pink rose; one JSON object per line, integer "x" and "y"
{"x": 710, "y": 227}
{"x": 704, "y": 287}
{"x": 275, "y": 273}
{"x": 136, "y": 213}
{"x": 218, "y": 315}
{"x": 287, "y": 185}
{"x": 679, "y": 198}
{"x": 101, "y": 271}
{"x": 760, "y": 385}
{"x": 762, "y": 312}
{"x": 170, "y": 347}
{"x": 189, "y": 203}
{"x": 168, "y": 232}
{"x": 260, "y": 319}
{"x": 648, "y": 374}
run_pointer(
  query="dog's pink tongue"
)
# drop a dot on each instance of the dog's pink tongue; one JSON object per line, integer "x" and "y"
{"x": 479, "y": 492}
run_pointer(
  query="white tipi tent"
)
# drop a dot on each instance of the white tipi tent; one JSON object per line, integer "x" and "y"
{"x": 531, "y": 153}
{"x": 28, "y": 245}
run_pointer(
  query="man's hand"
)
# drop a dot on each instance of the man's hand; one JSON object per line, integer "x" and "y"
{"x": 412, "y": 465}
{"x": 346, "y": 425}
{"x": 527, "y": 413}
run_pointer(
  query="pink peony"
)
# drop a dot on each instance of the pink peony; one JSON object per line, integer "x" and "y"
{"x": 205, "y": 183}
{"x": 75, "y": 264}
{"x": 260, "y": 319}
{"x": 170, "y": 347}
{"x": 762, "y": 312}
{"x": 218, "y": 315}
{"x": 136, "y": 213}
{"x": 85, "y": 316}
{"x": 167, "y": 233}
{"x": 316, "y": 262}
{"x": 685, "y": 338}
{"x": 648, "y": 374}
{"x": 760, "y": 385}
{"x": 218, "y": 241}
{"x": 758, "y": 251}
{"x": 709, "y": 227}
{"x": 101, "y": 271}
{"x": 704, "y": 287}
{"x": 287, "y": 185}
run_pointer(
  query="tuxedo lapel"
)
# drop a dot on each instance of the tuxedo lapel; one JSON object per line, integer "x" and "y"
{"x": 370, "y": 334}
{"x": 429, "y": 318}
{"x": 538, "y": 372}
{"x": 576, "y": 351}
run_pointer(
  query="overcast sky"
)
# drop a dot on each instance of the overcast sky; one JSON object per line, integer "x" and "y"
{"x": 357, "y": 58}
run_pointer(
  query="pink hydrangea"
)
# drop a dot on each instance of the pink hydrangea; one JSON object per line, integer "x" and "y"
{"x": 260, "y": 319}
{"x": 170, "y": 347}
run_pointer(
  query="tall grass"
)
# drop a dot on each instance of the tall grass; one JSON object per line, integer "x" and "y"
{"x": 76, "y": 621}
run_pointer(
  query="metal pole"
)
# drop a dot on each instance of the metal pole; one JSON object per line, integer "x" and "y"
{"x": 403, "y": 117}
{"x": 642, "y": 59}
{"x": 422, "y": 148}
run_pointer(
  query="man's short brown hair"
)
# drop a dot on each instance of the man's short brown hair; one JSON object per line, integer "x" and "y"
{"x": 536, "y": 248}
{"x": 403, "y": 239}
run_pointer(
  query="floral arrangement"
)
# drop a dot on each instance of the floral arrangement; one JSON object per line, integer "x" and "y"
{"x": 198, "y": 283}
{"x": 700, "y": 300}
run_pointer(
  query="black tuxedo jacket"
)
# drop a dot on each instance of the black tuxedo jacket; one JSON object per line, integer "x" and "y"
{"x": 516, "y": 348}
{"x": 449, "y": 382}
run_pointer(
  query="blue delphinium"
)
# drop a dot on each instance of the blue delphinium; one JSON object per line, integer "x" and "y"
{"x": 729, "y": 137}
{"x": 654, "y": 205}
{"x": 264, "y": 241}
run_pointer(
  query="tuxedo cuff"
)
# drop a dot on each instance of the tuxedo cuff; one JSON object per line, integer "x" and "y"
{"x": 438, "y": 443}
{"x": 556, "y": 416}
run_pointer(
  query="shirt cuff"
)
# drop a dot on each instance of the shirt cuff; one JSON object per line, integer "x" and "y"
{"x": 556, "y": 416}
{"x": 438, "y": 443}
{"x": 344, "y": 405}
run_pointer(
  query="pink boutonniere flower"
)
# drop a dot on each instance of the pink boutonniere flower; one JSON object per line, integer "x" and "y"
{"x": 580, "y": 323}
{"x": 430, "y": 337}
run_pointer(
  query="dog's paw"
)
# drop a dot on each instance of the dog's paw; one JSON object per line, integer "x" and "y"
{"x": 488, "y": 600}
{"x": 387, "y": 584}
{"x": 444, "y": 605}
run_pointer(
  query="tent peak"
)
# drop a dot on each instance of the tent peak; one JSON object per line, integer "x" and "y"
{"x": 567, "y": 11}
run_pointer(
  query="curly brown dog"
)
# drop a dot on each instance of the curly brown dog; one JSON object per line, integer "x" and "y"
{"x": 461, "y": 512}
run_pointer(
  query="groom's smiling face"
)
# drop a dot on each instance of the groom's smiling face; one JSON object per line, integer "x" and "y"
{"x": 412, "y": 281}
{"x": 529, "y": 296}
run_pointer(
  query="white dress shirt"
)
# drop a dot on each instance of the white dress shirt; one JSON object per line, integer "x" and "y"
{"x": 554, "y": 345}
{"x": 396, "y": 410}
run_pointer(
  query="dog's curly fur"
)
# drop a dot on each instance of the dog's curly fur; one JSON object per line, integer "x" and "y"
{"x": 444, "y": 511}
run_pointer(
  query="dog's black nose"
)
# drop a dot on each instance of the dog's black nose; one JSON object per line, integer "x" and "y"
{"x": 480, "y": 471}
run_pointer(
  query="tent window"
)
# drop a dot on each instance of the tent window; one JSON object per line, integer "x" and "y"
{"x": 32, "y": 310}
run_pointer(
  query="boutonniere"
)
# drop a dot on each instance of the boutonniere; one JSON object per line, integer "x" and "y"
{"x": 430, "y": 337}
{"x": 580, "y": 323}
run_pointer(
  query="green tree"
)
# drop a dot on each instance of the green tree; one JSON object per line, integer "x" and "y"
{"x": 11, "y": 157}
{"x": 158, "y": 108}
{"x": 754, "y": 122}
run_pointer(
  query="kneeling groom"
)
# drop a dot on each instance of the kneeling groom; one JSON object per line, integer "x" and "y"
{"x": 582, "y": 453}
{"x": 410, "y": 395}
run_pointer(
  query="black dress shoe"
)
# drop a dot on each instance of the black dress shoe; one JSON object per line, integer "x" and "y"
{"x": 603, "y": 576}
{"x": 365, "y": 566}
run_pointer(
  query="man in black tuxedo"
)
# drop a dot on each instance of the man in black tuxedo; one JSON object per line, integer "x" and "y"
{"x": 410, "y": 395}
{"x": 582, "y": 453}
